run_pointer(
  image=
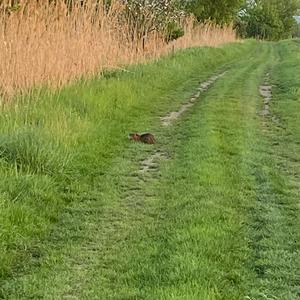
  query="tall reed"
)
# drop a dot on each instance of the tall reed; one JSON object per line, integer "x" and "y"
{"x": 44, "y": 44}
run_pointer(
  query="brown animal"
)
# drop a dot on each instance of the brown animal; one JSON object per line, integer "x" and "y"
{"x": 146, "y": 138}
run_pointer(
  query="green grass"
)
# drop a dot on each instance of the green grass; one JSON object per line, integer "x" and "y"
{"x": 276, "y": 219}
{"x": 218, "y": 219}
{"x": 57, "y": 148}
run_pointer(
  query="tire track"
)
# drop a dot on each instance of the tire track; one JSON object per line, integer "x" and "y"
{"x": 204, "y": 86}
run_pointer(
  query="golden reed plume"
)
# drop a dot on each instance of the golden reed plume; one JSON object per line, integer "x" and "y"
{"x": 51, "y": 44}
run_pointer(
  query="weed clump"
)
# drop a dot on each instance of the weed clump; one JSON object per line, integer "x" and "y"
{"x": 31, "y": 152}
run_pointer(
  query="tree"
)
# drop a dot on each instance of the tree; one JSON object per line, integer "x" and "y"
{"x": 267, "y": 19}
{"x": 146, "y": 16}
{"x": 219, "y": 11}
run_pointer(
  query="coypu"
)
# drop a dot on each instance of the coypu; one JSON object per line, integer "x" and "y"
{"x": 146, "y": 138}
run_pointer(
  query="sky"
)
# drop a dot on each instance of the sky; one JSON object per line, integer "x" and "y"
{"x": 297, "y": 19}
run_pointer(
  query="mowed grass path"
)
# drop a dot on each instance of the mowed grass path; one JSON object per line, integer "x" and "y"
{"x": 218, "y": 219}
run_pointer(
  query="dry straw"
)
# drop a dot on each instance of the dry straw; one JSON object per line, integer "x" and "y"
{"x": 44, "y": 44}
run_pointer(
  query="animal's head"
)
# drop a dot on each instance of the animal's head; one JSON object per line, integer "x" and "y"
{"x": 134, "y": 136}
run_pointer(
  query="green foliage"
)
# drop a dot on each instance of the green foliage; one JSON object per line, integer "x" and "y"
{"x": 219, "y": 11}
{"x": 173, "y": 31}
{"x": 268, "y": 19}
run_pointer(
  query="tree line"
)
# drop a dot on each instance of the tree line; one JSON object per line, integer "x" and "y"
{"x": 264, "y": 19}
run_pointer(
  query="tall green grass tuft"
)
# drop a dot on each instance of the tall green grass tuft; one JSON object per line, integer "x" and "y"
{"x": 31, "y": 152}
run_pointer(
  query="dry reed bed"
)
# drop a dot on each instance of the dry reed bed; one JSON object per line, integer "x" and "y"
{"x": 46, "y": 45}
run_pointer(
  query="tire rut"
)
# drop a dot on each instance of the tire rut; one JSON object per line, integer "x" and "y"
{"x": 204, "y": 86}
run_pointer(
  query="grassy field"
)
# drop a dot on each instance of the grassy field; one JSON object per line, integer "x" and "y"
{"x": 216, "y": 217}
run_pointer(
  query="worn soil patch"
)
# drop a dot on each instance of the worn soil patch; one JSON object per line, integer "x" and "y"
{"x": 266, "y": 92}
{"x": 204, "y": 86}
{"x": 151, "y": 163}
